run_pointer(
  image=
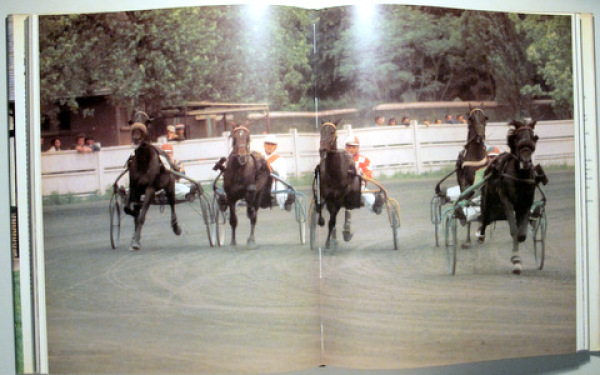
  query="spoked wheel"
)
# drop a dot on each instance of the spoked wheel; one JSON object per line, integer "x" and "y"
{"x": 300, "y": 210}
{"x": 207, "y": 217}
{"x": 450, "y": 235}
{"x": 539, "y": 240}
{"x": 220, "y": 223}
{"x": 114, "y": 210}
{"x": 436, "y": 216}
{"x": 395, "y": 221}
{"x": 312, "y": 214}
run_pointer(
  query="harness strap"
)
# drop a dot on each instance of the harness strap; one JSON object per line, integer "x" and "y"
{"x": 479, "y": 163}
{"x": 524, "y": 180}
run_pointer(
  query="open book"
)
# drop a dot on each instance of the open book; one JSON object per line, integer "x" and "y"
{"x": 180, "y": 305}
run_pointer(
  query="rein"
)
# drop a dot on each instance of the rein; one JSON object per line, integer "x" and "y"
{"x": 529, "y": 181}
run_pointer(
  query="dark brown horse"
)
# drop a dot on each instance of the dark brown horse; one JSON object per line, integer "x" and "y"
{"x": 147, "y": 175}
{"x": 336, "y": 179}
{"x": 246, "y": 176}
{"x": 473, "y": 157}
{"x": 510, "y": 189}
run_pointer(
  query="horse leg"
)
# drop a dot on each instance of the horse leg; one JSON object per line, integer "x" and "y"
{"x": 233, "y": 221}
{"x": 140, "y": 219}
{"x": 170, "y": 191}
{"x": 347, "y": 233}
{"x": 515, "y": 259}
{"x": 333, "y": 211}
{"x": 252, "y": 213}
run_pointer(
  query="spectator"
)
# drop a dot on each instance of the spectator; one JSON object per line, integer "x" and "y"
{"x": 379, "y": 120}
{"x": 54, "y": 145}
{"x": 426, "y": 122}
{"x": 449, "y": 120}
{"x": 180, "y": 132}
{"x": 392, "y": 122}
{"x": 80, "y": 145}
{"x": 278, "y": 167}
{"x": 363, "y": 168}
{"x": 95, "y": 146}
{"x": 438, "y": 121}
{"x": 171, "y": 136}
{"x": 406, "y": 121}
{"x": 460, "y": 119}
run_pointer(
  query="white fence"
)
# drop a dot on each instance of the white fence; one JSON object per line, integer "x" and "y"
{"x": 415, "y": 149}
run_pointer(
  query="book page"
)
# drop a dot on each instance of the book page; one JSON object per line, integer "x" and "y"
{"x": 386, "y": 308}
{"x": 188, "y": 302}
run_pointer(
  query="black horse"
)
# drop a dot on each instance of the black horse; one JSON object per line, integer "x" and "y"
{"x": 147, "y": 175}
{"x": 337, "y": 181}
{"x": 246, "y": 176}
{"x": 510, "y": 187}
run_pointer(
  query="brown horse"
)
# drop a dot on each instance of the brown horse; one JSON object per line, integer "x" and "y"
{"x": 509, "y": 192}
{"x": 336, "y": 179}
{"x": 246, "y": 176}
{"x": 147, "y": 175}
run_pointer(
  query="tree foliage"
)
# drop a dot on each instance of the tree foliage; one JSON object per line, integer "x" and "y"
{"x": 153, "y": 59}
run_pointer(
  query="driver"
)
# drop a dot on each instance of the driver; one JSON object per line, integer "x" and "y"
{"x": 277, "y": 166}
{"x": 363, "y": 168}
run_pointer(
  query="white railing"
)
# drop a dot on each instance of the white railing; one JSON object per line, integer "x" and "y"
{"x": 414, "y": 149}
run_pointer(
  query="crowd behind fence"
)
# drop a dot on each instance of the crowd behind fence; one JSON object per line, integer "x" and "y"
{"x": 392, "y": 149}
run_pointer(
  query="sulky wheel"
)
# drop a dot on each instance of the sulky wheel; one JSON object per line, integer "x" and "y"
{"x": 312, "y": 215}
{"x": 220, "y": 223}
{"x": 450, "y": 236}
{"x": 436, "y": 214}
{"x": 300, "y": 211}
{"x": 395, "y": 221}
{"x": 207, "y": 217}
{"x": 114, "y": 210}
{"x": 539, "y": 239}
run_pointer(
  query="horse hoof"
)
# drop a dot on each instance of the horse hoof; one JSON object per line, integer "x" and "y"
{"x": 466, "y": 245}
{"x": 251, "y": 244}
{"x": 347, "y": 236}
{"x": 177, "y": 230}
{"x": 321, "y": 222}
{"x": 135, "y": 246}
{"x": 517, "y": 271}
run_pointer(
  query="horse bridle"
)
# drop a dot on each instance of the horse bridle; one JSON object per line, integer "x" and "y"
{"x": 334, "y": 128}
{"x": 476, "y": 137}
{"x": 242, "y": 159}
{"x": 516, "y": 157}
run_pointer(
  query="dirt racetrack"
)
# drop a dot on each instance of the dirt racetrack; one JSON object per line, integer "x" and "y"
{"x": 180, "y": 306}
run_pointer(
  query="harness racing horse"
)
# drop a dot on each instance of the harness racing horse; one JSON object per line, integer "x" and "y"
{"x": 473, "y": 157}
{"x": 147, "y": 175}
{"x": 245, "y": 176}
{"x": 509, "y": 190}
{"x": 338, "y": 184}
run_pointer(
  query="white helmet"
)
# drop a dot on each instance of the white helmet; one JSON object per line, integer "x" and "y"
{"x": 352, "y": 141}
{"x": 271, "y": 138}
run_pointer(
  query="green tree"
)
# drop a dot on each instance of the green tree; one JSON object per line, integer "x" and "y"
{"x": 550, "y": 52}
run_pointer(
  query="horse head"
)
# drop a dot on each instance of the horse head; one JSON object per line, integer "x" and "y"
{"x": 328, "y": 140}
{"x": 477, "y": 120}
{"x": 241, "y": 143}
{"x": 522, "y": 141}
{"x": 139, "y": 127}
